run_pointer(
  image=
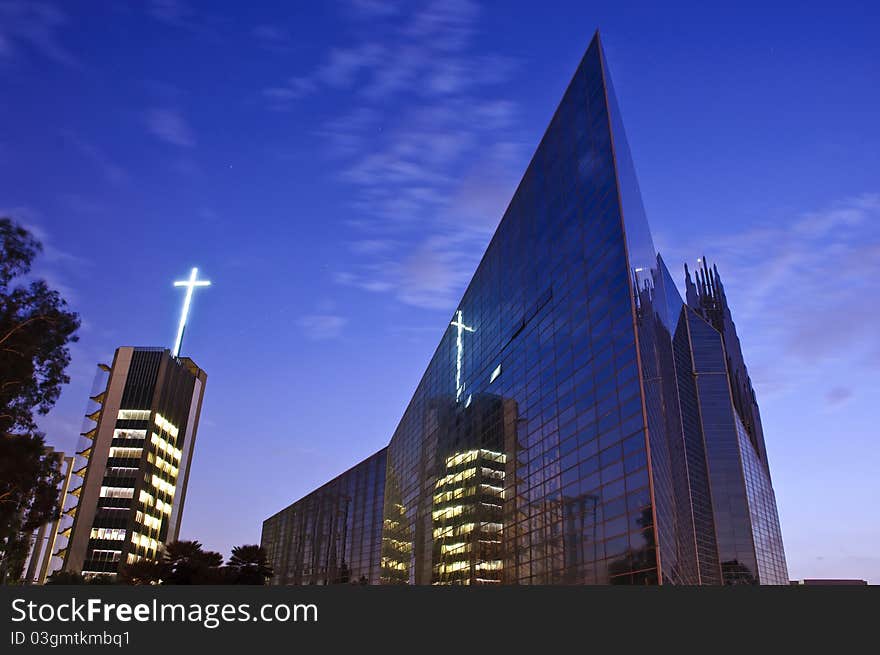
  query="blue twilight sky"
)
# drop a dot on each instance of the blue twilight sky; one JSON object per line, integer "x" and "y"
{"x": 337, "y": 168}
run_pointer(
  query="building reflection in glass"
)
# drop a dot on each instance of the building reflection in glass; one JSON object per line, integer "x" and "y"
{"x": 467, "y": 519}
{"x": 396, "y": 549}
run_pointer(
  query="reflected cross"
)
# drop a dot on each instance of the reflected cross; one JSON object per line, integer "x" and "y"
{"x": 458, "y": 323}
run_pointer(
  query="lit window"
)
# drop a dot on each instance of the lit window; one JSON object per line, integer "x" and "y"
{"x": 112, "y": 534}
{"x": 117, "y": 492}
{"x": 447, "y": 513}
{"x": 149, "y": 521}
{"x": 461, "y": 458}
{"x": 129, "y": 434}
{"x": 160, "y": 484}
{"x": 128, "y": 453}
{"x": 454, "y": 549}
{"x": 490, "y": 565}
{"x": 133, "y": 415}
{"x": 162, "y": 445}
{"x": 166, "y": 425}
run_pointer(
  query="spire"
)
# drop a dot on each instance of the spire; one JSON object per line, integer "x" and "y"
{"x": 707, "y": 283}
{"x": 704, "y": 287}
{"x": 691, "y": 296}
{"x": 721, "y": 295}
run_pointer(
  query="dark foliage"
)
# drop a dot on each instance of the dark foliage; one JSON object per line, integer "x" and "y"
{"x": 28, "y": 498}
{"x": 248, "y": 565}
{"x": 35, "y": 328}
{"x": 143, "y": 572}
{"x": 187, "y": 563}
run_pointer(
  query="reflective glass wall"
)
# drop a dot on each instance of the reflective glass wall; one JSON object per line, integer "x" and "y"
{"x": 522, "y": 456}
{"x": 333, "y": 535}
{"x": 726, "y": 427}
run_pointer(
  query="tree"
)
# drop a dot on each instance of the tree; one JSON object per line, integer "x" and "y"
{"x": 28, "y": 497}
{"x": 143, "y": 572}
{"x": 188, "y": 563}
{"x": 36, "y": 327}
{"x": 249, "y": 565}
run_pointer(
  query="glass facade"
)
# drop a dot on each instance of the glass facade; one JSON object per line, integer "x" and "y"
{"x": 333, "y": 535}
{"x": 550, "y": 303}
{"x": 727, "y": 425}
{"x": 558, "y": 435}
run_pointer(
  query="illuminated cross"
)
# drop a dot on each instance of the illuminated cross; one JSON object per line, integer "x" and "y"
{"x": 190, "y": 285}
{"x": 459, "y": 347}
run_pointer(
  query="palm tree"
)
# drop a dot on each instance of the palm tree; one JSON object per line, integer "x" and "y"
{"x": 188, "y": 563}
{"x": 143, "y": 572}
{"x": 250, "y": 565}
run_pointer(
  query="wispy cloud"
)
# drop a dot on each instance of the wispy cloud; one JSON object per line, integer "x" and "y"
{"x": 372, "y": 246}
{"x": 431, "y": 275}
{"x": 282, "y": 96}
{"x": 111, "y": 171}
{"x": 430, "y": 181}
{"x": 320, "y": 327}
{"x": 170, "y": 126}
{"x": 838, "y": 395}
{"x": 56, "y": 265}
{"x": 33, "y": 27}
{"x": 343, "y": 64}
{"x": 32, "y": 221}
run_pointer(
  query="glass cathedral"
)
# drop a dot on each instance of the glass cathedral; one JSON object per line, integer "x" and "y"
{"x": 579, "y": 422}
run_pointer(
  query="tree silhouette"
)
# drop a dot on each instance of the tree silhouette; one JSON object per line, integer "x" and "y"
{"x": 249, "y": 565}
{"x": 143, "y": 572}
{"x": 188, "y": 563}
{"x": 35, "y": 328}
{"x": 28, "y": 497}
